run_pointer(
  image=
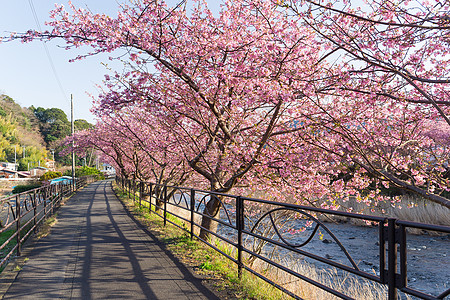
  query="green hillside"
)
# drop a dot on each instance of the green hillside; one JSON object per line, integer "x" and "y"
{"x": 29, "y": 134}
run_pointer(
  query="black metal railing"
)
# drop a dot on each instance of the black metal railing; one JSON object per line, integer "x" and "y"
{"x": 257, "y": 229}
{"x": 20, "y": 214}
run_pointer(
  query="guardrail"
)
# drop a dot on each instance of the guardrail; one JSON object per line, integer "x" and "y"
{"x": 20, "y": 214}
{"x": 267, "y": 225}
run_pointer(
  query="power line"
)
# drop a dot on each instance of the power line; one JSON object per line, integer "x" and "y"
{"x": 36, "y": 19}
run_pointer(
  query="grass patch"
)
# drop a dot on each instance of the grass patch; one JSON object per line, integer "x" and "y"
{"x": 3, "y": 238}
{"x": 45, "y": 227}
{"x": 12, "y": 243}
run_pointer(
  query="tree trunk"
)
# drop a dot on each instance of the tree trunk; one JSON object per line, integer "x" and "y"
{"x": 211, "y": 210}
{"x": 159, "y": 194}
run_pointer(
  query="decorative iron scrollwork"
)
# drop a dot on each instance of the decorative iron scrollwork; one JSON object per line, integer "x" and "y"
{"x": 318, "y": 225}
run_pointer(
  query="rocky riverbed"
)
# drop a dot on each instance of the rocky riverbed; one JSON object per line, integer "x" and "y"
{"x": 428, "y": 256}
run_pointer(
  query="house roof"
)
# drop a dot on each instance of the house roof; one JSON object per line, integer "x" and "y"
{"x": 6, "y": 170}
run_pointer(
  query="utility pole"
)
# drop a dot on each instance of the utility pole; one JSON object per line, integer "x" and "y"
{"x": 73, "y": 142}
{"x": 15, "y": 157}
{"x": 24, "y": 150}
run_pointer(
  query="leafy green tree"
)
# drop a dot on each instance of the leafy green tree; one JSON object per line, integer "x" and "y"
{"x": 7, "y": 136}
{"x": 2, "y": 112}
{"x": 82, "y": 124}
{"x": 53, "y": 123}
{"x": 85, "y": 171}
{"x": 50, "y": 175}
{"x": 49, "y": 115}
{"x": 21, "y": 116}
{"x": 33, "y": 158}
{"x": 39, "y": 113}
{"x": 55, "y": 114}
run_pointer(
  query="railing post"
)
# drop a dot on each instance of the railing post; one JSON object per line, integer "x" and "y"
{"x": 61, "y": 193}
{"x": 131, "y": 190}
{"x": 192, "y": 212}
{"x": 165, "y": 205}
{"x": 54, "y": 192}
{"x": 239, "y": 227}
{"x": 150, "y": 198}
{"x": 34, "y": 210}
{"x": 392, "y": 260}
{"x": 134, "y": 190}
{"x": 382, "y": 230}
{"x": 52, "y": 195}
{"x": 58, "y": 199}
{"x": 403, "y": 253}
{"x": 18, "y": 224}
{"x": 45, "y": 201}
{"x": 141, "y": 191}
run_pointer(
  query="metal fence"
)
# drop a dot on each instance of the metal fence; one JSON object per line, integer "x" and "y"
{"x": 20, "y": 214}
{"x": 256, "y": 229}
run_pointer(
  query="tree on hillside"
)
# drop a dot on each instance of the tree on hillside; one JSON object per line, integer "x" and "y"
{"x": 22, "y": 116}
{"x": 7, "y": 136}
{"x": 54, "y": 127}
{"x": 17, "y": 130}
{"x": 13, "y": 141}
{"x": 53, "y": 123}
{"x": 51, "y": 115}
{"x": 81, "y": 124}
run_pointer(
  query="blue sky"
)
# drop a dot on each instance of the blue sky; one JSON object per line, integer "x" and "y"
{"x": 25, "y": 71}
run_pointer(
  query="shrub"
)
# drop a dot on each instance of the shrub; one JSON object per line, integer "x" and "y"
{"x": 84, "y": 171}
{"x": 23, "y": 188}
{"x": 50, "y": 175}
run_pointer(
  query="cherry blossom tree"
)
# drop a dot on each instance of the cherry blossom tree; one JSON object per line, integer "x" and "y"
{"x": 393, "y": 49}
{"x": 259, "y": 96}
{"x": 123, "y": 141}
{"x": 392, "y": 56}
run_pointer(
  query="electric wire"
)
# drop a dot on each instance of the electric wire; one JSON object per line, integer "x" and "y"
{"x": 36, "y": 19}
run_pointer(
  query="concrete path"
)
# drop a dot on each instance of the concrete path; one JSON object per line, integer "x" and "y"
{"x": 96, "y": 251}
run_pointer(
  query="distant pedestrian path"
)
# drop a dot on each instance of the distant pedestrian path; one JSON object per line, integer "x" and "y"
{"x": 96, "y": 251}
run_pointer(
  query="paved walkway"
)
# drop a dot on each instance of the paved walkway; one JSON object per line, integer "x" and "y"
{"x": 96, "y": 251}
